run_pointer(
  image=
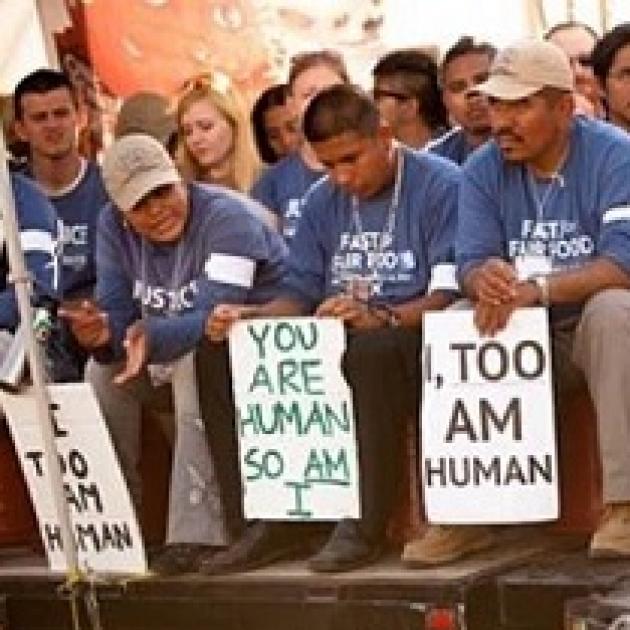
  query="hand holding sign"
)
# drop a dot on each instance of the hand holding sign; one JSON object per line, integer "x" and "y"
{"x": 350, "y": 311}
{"x": 494, "y": 282}
{"x": 222, "y": 318}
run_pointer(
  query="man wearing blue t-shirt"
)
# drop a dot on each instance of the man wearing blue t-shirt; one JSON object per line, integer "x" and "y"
{"x": 544, "y": 219}
{"x": 48, "y": 118}
{"x": 374, "y": 249}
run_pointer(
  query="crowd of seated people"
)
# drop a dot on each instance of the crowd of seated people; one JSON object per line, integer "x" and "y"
{"x": 204, "y": 211}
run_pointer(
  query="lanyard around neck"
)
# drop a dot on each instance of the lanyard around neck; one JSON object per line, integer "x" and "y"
{"x": 390, "y": 221}
{"x": 541, "y": 201}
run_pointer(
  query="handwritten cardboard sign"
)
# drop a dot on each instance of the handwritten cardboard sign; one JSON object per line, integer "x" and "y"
{"x": 295, "y": 419}
{"x": 103, "y": 520}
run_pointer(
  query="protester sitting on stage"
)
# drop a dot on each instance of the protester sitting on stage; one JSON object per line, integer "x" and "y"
{"x": 611, "y": 64}
{"x": 39, "y": 236}
{"x": 168, "y": 252}
{"x": 275, "y": 125}
{"x": 380, "y": 201}
{"x": 408, "y": 95}
{"x": 465, "y": 65}
{"x": 544, "y": 219}
{"x": 283, "y": 186}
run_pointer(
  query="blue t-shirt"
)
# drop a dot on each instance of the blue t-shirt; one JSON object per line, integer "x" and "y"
{"x": 78, "y": 209}
{"x": 224, "y": 255}
{"x": 452, "y": 146}
{"x": 282, "y": 187}
{"x": 329, "y": 250}
{"x": 582, "y": 213}
{"x": 38, "y": 226}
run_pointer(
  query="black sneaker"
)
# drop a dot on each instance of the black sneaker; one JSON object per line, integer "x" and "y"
{"x": 263, "y": 543}
{"x": 180, "y": 558}
{"x": 346, "y": 549}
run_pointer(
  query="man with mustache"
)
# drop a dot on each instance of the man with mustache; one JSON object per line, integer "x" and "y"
{"x": 465, "y": 65}
{"x": 544, "y": 219}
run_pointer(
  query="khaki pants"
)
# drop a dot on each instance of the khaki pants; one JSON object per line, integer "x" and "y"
{"x": 595, "y": 347}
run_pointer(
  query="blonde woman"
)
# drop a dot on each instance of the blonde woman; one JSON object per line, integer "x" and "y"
{"x": 215, "y": 139}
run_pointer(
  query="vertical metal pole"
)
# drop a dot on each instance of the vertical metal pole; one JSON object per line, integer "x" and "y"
{"x": 22, "y": 285}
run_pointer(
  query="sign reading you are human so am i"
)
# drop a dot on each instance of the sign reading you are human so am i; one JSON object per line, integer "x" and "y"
{"x": 295, "y": 419}
{"x": 487, "y": 421}
{"x": 103, "y": 521}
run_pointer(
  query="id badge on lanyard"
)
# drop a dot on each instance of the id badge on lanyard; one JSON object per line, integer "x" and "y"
{"x": 530, "y": 265}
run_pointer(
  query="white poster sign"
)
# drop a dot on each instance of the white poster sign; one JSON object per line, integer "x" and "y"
{"x": 487, "y": 426}
{"x": 295, "y": 419}
{"x": 104, "y": 523}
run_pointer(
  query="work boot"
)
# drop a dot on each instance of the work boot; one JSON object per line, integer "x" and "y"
{"x": 442, "y": 544}
{"x": 179, "y": 558}
{"x": 262, "y": 543}
{"x": 346, "y": 549}
{"x": 612, "y": 537}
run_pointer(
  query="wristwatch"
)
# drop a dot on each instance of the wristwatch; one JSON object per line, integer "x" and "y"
{"x": 542, "y": 282}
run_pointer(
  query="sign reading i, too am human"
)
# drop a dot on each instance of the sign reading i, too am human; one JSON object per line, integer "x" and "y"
{"x": 102, "y": 517}
{"x": 487, "y": 420}
{"x": 295, "y": 419}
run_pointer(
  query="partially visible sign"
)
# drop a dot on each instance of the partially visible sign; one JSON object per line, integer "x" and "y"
{"x": 295, "y": 419}
{"x": 104, "y": 523}
{"x": 488, "y": 432}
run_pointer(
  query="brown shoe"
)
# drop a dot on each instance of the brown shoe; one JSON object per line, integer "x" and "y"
{"x": 442, "y": 544}
{"x": 612, "y": 537}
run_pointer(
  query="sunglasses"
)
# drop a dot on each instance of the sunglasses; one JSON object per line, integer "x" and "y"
{"x": 216, "y": 81}
{"x": 378, "y": 94}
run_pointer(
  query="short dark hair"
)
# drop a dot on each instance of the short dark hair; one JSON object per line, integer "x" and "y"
{"x": 40, "y": 82}
{"x": 337, "y": 110}
{"x": 418, "y": 72}
{"x": 606, "y": 49}
{"x": 274, "y": 96}
{"x": 567, "y": 26}
{"x": 307, "y": 60}
{"x": 466, "y": 45}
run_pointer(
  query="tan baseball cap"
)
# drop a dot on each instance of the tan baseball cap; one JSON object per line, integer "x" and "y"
{"x": 134, "y": 166}
{"x": 526, "y": 67}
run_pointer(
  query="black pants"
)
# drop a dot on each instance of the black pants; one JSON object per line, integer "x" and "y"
{"x": 382, "y": 369}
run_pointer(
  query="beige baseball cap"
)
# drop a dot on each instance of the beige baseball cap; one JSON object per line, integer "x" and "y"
{"x": 526, "y": 67}
{"x": 134, "y": 166}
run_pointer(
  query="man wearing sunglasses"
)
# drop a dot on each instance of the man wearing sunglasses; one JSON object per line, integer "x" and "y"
{"x": 408, "y": 96}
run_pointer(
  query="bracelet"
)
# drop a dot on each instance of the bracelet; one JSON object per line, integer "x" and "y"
{"x": 542, "y": 282}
